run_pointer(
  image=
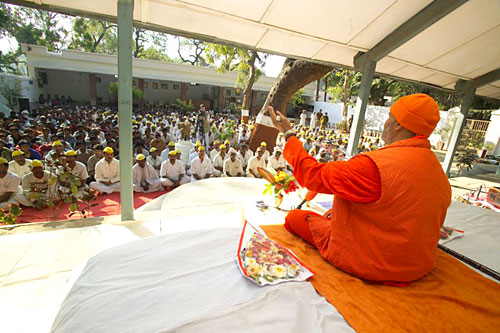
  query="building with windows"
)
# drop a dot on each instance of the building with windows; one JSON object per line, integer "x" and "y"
{"x": 86, "y": 78}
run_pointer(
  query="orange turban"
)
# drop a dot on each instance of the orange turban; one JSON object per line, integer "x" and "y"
{"x": 418, "y": 113}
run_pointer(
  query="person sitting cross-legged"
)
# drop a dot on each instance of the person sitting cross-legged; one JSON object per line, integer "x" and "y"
{"x": 19, "y": 165}
{"x": 36, "y": 186}
{"x": 145, "y": 177}
{"x": 173, "y": 173}
{"x": 233, "y": 166}
{"x": 107, "y": 173}
{"x": 78, "y": 169}
{"x": 218, "y": 161}
{"x": 255, "y": 162}
{"x": 276, "y": 161}
{"x": 389, "y": 204}
{"x": 201, "y": 167}
{"x": 9, "y": 185}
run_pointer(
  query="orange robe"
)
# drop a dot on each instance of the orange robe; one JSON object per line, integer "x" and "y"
{"x": 389, "y": 206}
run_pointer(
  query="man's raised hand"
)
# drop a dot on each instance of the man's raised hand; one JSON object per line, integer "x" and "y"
{"x": 280, "y": 121}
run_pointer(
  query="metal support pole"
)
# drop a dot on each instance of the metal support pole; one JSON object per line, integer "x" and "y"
{"x": 468, "y": 92}
{"x": 125, "y": 107}
{"x": 368, "y": 69}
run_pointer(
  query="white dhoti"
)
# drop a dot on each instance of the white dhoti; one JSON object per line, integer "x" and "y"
{"x": 216, "y": 173}
{"x": 168, "y": 183}
{"x": 154, "y": 186}
{"x": 12, "y": 200}
{"x": 22, "y": 200}
{"x": 98, "y": 186}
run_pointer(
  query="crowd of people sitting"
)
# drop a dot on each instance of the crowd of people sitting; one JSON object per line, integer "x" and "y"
{"x": 86, "y": 140}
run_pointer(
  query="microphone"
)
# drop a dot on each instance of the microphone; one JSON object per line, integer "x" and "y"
{"x": 309, "y": 196}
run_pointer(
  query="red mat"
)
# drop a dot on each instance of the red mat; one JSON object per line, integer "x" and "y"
{"x": 107, "y": 204}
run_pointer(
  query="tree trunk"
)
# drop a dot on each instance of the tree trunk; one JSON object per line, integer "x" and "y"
{"x": 345, "y": 95}
{"x": 294, "y": 75}
{"x": 247, "y": 92}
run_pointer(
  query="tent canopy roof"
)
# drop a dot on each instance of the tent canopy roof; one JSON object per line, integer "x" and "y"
{"x": 463, "y": 44}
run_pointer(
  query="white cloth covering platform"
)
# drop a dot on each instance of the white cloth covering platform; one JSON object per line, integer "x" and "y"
{"x": 34, "y": 267}
{"x": 187, "y": 282}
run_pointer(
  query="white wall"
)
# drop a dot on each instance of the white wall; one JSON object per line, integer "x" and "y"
{"x": 377, "y": 115}
{"x": 493, "y": 133}
{"x": 29, "y": 88}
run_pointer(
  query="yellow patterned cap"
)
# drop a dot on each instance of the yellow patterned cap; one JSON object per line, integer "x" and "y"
{"x": 140, "y": 157}
{"x": 263, "y": 144}
{"x": 222, "y": 147}
{"x": 171, "y": 144}
{"x": 3, "y": 161}
{"x": 108, "y": 150}
{"x": 57, "y": 143}
{"x": 198, "y": 143}
{"x": 201, "y": 148}
{"x": 17, "y": 153}
{"x": 172, "y": 153}
{"x": 216, "y": 142}
{"x": 36, "y": 163}
{"x": 153, "y": 149}
{"x": 70, "y": 153}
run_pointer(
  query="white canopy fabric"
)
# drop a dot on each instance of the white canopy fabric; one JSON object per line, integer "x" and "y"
{"x": 461, "y": 45}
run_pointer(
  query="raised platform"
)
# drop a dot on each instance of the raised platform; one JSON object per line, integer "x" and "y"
{"x": 35, "y": 266}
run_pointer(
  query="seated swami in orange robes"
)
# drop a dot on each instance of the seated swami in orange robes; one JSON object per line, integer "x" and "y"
{"x": 389, "y": 204}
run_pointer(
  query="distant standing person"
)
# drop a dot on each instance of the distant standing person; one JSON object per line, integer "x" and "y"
{"x": 318, "y": 118}
{"x": 303, "y": 118}
{"x": 313, "y": 119}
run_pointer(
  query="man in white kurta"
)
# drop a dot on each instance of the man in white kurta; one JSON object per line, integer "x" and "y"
{"x": 256, "y": 162}
{"x": 36, "y": 186}
{"x": 154, "y": 160}
{"x": 218, "y": 161}
{"x": 201, "y": 167}
{"x": 172, "y": 172}
{"x": 9, "y": 185}
{"x": 276, "y": 161}
{"x": 233, "y": 166}
{"x": 107, "y": 173}
{"x": 313, "y": 120}
{"x": 19, "y": 165}
{"x": 244, "y": 155}
{"x": 144, "y": 176}
{"x": 77, "y": 169}
{"x": 303, "y": 118}
{"x": 215, "y": 150}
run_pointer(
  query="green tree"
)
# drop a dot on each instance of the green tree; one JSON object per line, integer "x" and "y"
{"x": 344, "y": 86}
{"x": 228, "y": 58}
{"x": 195, "y": 49}
{"x": 91, "y": 35}
{"x": 12, "y": 92}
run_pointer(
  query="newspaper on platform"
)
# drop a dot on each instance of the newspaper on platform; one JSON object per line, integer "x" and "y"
{"x": 264, "y": 261}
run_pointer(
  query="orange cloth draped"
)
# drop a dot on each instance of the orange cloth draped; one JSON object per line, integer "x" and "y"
{"x": 451, "y": 298}
{"x": 390, "y": 238}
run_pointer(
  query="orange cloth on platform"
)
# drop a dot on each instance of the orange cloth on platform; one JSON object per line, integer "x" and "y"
{"x": 394, "y": 238}
{"x": 451, "y": 298}
{"x": 418, "y": 113}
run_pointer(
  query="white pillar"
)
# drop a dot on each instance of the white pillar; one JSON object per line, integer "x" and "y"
{"x": 361, "y": 103}
{"x": 125, "y": 107}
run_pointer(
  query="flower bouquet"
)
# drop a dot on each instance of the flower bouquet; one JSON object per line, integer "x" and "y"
{"x": 264, "y": 261}
{"x": 278, "y": 183}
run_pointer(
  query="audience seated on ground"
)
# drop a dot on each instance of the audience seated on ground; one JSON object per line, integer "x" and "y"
{"x": 172, "y": 172}
{"x": 145, "y": 177}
